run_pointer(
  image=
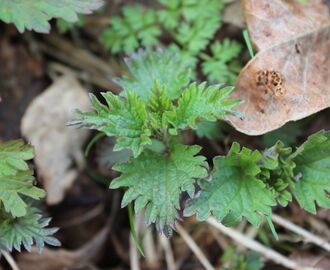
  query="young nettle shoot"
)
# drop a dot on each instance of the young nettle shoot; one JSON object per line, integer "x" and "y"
{"x": 158, "y": 102}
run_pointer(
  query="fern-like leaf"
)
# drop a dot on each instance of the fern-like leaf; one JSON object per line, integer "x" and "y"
{"x": 137, "y": 27}
{"x": 217, "y": 65}
{"x": 164, "y": 67}
{"x": 156, "y": 181}
{"x": 195, "y": 36}
{"x": 126, "y": 119}
{"x": 199, "y": 102}
{"x": 26, "y": 230}
{"x": 192, "y": 23}
{"x": 159, "y": 105}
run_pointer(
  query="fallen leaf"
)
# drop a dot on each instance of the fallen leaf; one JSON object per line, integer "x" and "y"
{"x": 57, "y": 147}
{"x": 233, "y": 14}
{"x": 321, "y": 262}
{"x": 289, "y": 77}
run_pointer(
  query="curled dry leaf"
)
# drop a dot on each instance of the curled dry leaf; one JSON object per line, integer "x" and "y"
{"x": 57, "y": 147}
{"x": 289, "y": 78}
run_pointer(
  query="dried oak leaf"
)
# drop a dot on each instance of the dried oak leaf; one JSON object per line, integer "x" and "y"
{"x": 289, "y": 78}
{"x": 57, "y": 147}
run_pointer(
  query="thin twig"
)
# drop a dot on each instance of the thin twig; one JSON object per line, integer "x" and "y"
{"x": 319, "y": 226}
{"x": 149, "y": 248}
{"x": 194, "y": 248}
{"x": 93, "y": 213}
{"x": 182, "y": 249}
{"x": 219, "y": 238}
{"x": 165, "y": 243}
{"x": 256, "y": 246}
{"x": 10, "y": 260}
{"x": 251, "y": 233}
{"x": 134, "y": 256}
{"x": 309, "y": 237}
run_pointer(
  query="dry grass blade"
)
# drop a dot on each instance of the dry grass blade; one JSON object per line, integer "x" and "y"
{"x": 166, "y": 245}
{"x": 256, "y": 246}
{"x": 309, "y": 237}
{"x": 149, "y": 247}
{"x": 9, "y": 259}
{"x": 194, "y": 247}
{"x": 133, "y": 254}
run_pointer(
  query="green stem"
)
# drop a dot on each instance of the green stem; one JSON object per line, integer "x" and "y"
{"x": 166, "y": 140}
{"x": 248, "y": 42}
{"x": 133, "y": 231}
{"x": 92, "y": 142}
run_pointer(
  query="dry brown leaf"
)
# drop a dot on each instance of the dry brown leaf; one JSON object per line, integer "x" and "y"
{"x": 57, "y": 147}
{"x": 233, "y": 14}
{"x": 289, "y": 78}
{"x": 307, "y": 259}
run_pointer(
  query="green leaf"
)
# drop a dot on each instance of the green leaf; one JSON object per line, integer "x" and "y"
{"x": 217, "y": 66}
{"x": 19, "y": 223}
{"x": 64, "y": 26}
{"x": 156, "y": 181}
{"x": 312, "y": 172}
{"x": 137, "y": 27}
{"x": 173, "y": 11}
{"x": 125, "y": 119}
{"x": 170, "y": 13}
{"x": 15, "y": 177}
{"x": 134, "y": 234}
{"x": 287, "y": 134}
{"x": 195, "y": 36}
{"x": 277, "y": 172}
{"x": 12, "y": 186}
{"x": 26, "y": 230}
{"x": 158, "y": 106}
{"x": 233, "y": 260}
{"x": 192, "y": 23}
{"x": 204, "y": 9}
{"x": 254, "y": 261}
{"x": 233, "y": 189}
{"x": 248, "y": 42}
{"x": 198, "y": 103}
{"x": 164, "y": 67}
{"x": 210, "y": 130}
{"x": 187, "y": 57}
{"x": 35, "y": 14}
{"x": 13, "y": 155}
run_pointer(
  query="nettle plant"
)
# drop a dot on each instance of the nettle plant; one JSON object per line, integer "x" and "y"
{"x": 35, "y": 15}
{"x": 21, "y": 224}
{"x": 158, "y": 103}
{"x": 187, "y": 27}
